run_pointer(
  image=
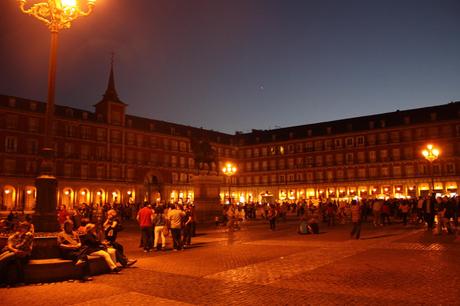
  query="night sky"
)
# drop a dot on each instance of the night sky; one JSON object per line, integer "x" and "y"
{"x": 234, "y": 65}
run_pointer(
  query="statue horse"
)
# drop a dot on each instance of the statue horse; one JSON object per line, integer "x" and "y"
{"x": 204, "y": 154}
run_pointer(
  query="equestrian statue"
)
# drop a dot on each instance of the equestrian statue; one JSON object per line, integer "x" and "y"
{"x": 204, "y": 154}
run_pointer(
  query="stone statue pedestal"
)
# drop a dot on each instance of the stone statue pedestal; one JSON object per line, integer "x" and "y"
{"x": 207, "y": 201}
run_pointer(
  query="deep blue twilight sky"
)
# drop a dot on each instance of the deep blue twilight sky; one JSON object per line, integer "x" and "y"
{"x": 233, "y": 65}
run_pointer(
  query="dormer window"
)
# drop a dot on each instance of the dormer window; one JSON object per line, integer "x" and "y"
{"x": 129, "y": 123}
{"x": 329, "y": 130}
{"x": 12, "y": 102}
{"x": 371, "y": 125}
{"x": 69, "y": 112}
{"x": 309, "y": 133}
{"x": 382, "y": 123}
{"x": 33, "y": 106}
{"x": 273, "y": 137}
{"x": 291, "y": 135}
{"x": 433, "y": 116}
{"x": 152, "y": 127}
{"x": 407, "y": 120}
{"x": 84, "y": 116}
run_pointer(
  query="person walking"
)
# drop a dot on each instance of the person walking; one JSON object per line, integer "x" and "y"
{"x": 356, "y": 217}
{"x": 175, "y": 220}
{"x": 145, "y": 219}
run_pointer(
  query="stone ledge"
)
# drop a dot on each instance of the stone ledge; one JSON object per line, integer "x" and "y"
{"x": 56, "y": 269}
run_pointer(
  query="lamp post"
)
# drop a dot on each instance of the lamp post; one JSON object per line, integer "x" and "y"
{"x": 229, "y": 170}
{"x": 431, "y": 153}
{"x": 56, "y": 15}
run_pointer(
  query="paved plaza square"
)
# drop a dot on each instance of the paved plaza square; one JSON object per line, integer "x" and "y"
{"x": 392, "y": 265}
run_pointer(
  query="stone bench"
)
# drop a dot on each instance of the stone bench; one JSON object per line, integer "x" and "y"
{"x": 56, "y": 269}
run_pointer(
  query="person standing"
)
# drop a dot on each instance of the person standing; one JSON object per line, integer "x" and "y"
{"x": 187, "y": 231}
{"x": 272, "y": 214}
{"x": 159, "y": 223}
{"x": 404, "y": 207}
{"x": 356, "y": 215}
{"x": 385, "y": 213}
{"x": 63, "y": 215}
{"x": 230, "y": 217}
{"x": 429, "y": 211}
{"x": 175, "y": 220}
{"x": 145, "y": 219}
{"x": 376, "y": 211}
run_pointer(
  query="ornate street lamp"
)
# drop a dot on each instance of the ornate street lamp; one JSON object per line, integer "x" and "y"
{"x": 229, "y": 170}
{"x": 57, "y": 15}
{"x": 431, "y": 153}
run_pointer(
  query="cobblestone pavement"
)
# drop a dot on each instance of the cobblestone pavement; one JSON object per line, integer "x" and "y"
{"x": 390, "y": 265}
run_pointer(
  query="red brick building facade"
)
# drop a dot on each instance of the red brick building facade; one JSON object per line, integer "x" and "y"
{"x": 110, "y": 156}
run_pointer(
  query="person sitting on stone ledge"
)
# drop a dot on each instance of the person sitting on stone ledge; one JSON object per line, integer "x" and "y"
{"x": 111, "y": 228}
{"x": 16, "y": 252}
{"x": 72, "y": 249}
{"x": 96, "y": 248}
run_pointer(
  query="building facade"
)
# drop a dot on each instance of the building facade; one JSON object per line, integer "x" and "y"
{"x": 371, "y": 156}
{"x": 110, "y": 156}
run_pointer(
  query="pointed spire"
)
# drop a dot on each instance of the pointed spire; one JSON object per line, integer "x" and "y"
{"x": 111, "y": 93}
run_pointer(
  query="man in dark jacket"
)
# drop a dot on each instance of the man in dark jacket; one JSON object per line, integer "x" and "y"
{"x": 429, "y": 211}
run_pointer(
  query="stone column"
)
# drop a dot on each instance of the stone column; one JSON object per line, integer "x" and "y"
{"x": 45, "y": 218}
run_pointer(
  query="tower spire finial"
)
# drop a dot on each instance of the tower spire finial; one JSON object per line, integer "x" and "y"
{"x": 111, "y": 92}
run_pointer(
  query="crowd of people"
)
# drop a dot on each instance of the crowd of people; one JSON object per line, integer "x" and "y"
{"x": 78, "y": 239}
{"x": 92, "y": 230}
{"x": 157, "y": 222}
{"x": 439, "y": 213}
